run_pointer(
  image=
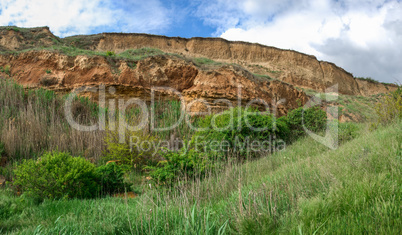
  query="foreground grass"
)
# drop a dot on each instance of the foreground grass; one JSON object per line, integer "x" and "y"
{"x": 305, "y": 189}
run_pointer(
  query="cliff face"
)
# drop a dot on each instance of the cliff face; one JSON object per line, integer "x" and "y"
{"x": 14, "y": 39}
{"x": 369, "y": 88}
{"x": 53, "y": 69}
{"x": 200, "y": 88}
{"x": 293, "y": 67}
{"x": 289, "y": 66}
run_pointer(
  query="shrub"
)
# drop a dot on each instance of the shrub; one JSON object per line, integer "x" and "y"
{"x": 186, "y": 162}
{"x": 48, "y": 81}
{"x": 48, "y": 71}
{"x": 110, "y": 53}
{"x": 134, "y": 153}
{"x": 111, "y": 178}
{"x": 314, "y": 119}
{"x": 6, "y": 70}
{"x": 389, "y": 108}
{"x": 347, "y": 131}
{"x": 57, "y": 175}
{"x": 238, "y": 126}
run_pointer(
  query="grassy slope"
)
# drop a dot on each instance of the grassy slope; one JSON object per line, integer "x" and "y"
{"x": 356, "y": 108}
{"x": 305, "y": 189}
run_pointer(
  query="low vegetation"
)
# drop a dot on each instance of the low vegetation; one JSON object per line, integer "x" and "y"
{"x": 5, "y": 70}
{"x": 306, "y": 188}
{"x": 33, "y": 122}
{"x": 55, "y": 176}
{"x": 353, "y": 108}
{"x": 263, "y": 76}
{"x": 367, "y": 79}
{"x": 58, "y": 181}
{"x": 390, "y": 107}
{"x": 202, "y": 62}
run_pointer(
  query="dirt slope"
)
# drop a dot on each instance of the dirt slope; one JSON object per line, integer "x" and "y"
{"x": 240, "y": 63}
{"x": 290, "y": 66}
{"x": 64, "y": 73}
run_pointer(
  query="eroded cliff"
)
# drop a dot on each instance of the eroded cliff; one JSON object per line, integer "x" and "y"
{"x": 170, "y": 76}
{"x": 37, "y": 58}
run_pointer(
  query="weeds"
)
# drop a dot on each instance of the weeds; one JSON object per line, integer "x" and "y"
{"x": 304, "y": 189}
{"x": 263, "y": 76}
{"x": 368, "y": 79}
{"x": 33, "y": 122}
{"x": 110, "y": 53}
{"x": 389, "y": 108}
{"x": 202, "y": 61}
{"x": 6, "y": 70}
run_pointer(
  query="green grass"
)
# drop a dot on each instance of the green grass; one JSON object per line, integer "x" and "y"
{"x": 15, "y": 28}
{"x": 202, "y": 62}
{"x": 368, "y": 79}
{"x": 263, "y": 76}
{"x": 359, "y": 108}
{"x": 33, "y": 121}
{"x": 140, "y": 54}
{"x": 5, "y": 70}
{"x": 305, "y": 189}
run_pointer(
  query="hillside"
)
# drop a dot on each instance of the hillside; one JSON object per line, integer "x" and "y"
{"x": 306, "y": 189}
{"x": 240, "y": 171}
{"x": 208, "y": 68}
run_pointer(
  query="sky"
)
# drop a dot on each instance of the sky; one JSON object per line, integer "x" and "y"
{"x": 362, "y": 36}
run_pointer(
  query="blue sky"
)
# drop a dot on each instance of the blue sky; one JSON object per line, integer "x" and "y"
{"x": 362, "y": 36}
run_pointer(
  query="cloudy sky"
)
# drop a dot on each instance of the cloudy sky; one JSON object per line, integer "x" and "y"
{"x": 364, "y": 37}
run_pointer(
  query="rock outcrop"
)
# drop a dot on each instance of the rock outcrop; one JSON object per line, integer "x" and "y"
{"x": 286, "y": 65}
{"x": 246, "y": 65}
{"x": 172, "y": 76}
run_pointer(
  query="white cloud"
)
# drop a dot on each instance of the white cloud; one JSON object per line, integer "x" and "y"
{"x": 70, "y": 17}
{"x": 364, "y": 37}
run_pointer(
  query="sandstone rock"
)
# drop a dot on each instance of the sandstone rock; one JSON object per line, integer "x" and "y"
{"x": 229, "y": 82}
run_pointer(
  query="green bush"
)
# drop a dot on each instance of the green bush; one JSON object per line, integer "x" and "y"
{"x": 347, "y": 131}
{"x": 110, "y": 53}
{"x": 57, "y": 175}
{"x": 314, "y": 119}
{"x": 111, "y": 178}
{"x": 186, "y": 162}
{"x": 6, "y": 70}
{"x": 238, "y": 126}
{"x": 134, "y": 153}
{"x": 389, "y": 108}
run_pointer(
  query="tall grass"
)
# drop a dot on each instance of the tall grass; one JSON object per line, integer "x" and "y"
{"x": 32, "y": 122}
{"x": 305, "y": 189}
